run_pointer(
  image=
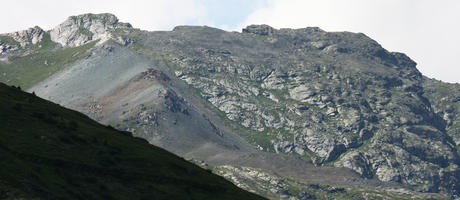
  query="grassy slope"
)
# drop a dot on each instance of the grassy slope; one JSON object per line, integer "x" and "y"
{"x": 4, "y": 39}
{"x": 51, "y": 152}
{"x": 43, "y": 61}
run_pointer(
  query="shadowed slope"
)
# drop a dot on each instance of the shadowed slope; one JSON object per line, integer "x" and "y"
{"x": 51, "y": 152}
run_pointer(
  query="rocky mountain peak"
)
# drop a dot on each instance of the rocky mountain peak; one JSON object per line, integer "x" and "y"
{"x": 81, "y": 29}
{"x": 28, "y": 36}
{"x": 10, "y": 42}
{"x": 106, "y": 18}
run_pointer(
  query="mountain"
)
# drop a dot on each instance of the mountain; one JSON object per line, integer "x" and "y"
{"x": 328, "y": 108}
{"x": 50, "y": 152}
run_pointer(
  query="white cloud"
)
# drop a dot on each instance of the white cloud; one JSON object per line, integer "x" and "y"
{"x": 427, "y": 31}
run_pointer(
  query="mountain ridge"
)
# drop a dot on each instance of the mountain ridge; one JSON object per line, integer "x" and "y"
{"x": 331, "y": 98}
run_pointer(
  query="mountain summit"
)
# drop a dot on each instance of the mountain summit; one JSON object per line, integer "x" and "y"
{"x": 81, "y": 29}
{"x": 278, "y": 111}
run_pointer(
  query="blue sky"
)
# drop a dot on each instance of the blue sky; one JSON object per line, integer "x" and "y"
{"x": 230, "y": 14}
{"x": 426, "y": 30}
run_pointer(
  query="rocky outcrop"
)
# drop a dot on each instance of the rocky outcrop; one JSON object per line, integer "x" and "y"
{"x": 79, "y": 30}
{"x": 30, "y": 36}
{"x": 5, "y": 48}
{"x": 259, "y": 29}
{"x": 242, "y": 176}
{"x": 10, "y": 42}
{"x": 75, "y": 31}
{"x": 278, "y": 187}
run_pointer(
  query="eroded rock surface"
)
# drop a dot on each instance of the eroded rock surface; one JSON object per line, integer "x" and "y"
{"x": 330, "y": 97}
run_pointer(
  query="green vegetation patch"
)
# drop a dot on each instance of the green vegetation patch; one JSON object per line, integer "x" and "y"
{"x": 8, "y": 40}
{"x": 43, "y": 61}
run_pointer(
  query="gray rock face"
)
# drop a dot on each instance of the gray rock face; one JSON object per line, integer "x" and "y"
{"x": 357, "y": 162}
{"x": 330, "y": 97}
{"x": 301, "y": 93}
{"x": 79, "y": 30}
{"x": 5, "y": 48}
{"x": 259, "y": 29}
{"x": 244, "y": 175}
{"x": 29, "y": 36}
{"x": 445, "y": 100}
{"x": 11, "y": 42}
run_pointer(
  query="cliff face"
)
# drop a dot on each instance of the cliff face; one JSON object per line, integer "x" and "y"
{"x": 331, "y": 98}
{"x": 337, "y": 98}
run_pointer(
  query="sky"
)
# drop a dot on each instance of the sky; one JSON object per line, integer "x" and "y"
{"x": 428, "y": 31}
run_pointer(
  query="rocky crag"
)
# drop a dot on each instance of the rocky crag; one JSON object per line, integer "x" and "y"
{"x": 12, "y": 42}
{"x": 79, "y": 30}
{"x": 335, "y": 99}
{"x": 75, "y": 31}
